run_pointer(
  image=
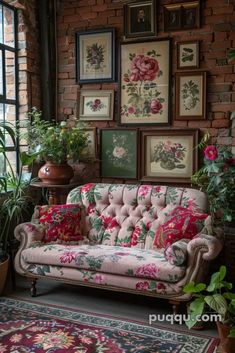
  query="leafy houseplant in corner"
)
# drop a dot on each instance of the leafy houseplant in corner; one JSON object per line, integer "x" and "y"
{"x": 217, "y": 298}
{"x": 14, "y": 199}
{"x": 56, "y": 144}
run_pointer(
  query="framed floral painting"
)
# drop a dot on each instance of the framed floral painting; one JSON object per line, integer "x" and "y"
{"x": 90, "y": 152}
{"x": 118, "y": 153}
{"x": 140, "y": 19}
{"x": 144, "y": 80}
{"x": 96, "y": 105}
{"x": 188, "y": 55}
{"x": 168, "y": 155}
{"x": 95, "y": 56}
{"x": 190, "y": 95}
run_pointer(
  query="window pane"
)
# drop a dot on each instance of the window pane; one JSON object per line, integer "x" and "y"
{"x": 9, "y": 35}
{"x": 1, "y": 76}
{"x": 11, "y": 155}
{"x": 1, "y": 113}
{"x": 10, "y": 117}
{"x": 10, "y": 74}
{"x": 1, "y": 25}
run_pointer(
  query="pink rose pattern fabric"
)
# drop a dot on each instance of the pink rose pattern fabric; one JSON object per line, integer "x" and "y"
{"x": 61, "y": 222}
{"x": 129, "y": 215}
{"x": 182, "y": 223}
{"x": 106, "y": 259}
{"x": 176, "y": 254}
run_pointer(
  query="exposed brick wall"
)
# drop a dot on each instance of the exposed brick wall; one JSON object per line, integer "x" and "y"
{"x": 216, "y": 35}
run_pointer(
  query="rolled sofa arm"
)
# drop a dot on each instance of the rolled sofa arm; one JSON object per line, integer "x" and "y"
{"x": 210, "y": 246}
{"x": 28, "y": 233}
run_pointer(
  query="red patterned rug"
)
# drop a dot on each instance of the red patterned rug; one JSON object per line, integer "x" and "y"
{"x": 27, "y": 327}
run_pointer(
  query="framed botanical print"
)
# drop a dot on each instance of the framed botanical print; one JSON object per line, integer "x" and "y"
{"x": 144, "y": 83}
{"x": 140, "y": 19}
{"x": 118, "y": 153}
{"x": 190, "y": 95}
{"x": 95, "y": 56}
{"x": 168, "y": 155}
{"x": 96, "y": 105}
{"x": 188, "y": 55}
{"x": 90, "y": 152}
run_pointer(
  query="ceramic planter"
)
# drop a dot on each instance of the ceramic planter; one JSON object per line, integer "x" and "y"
{"x": 56, "y": 174}
{"x": 3, "y": 273}
{"x": 227, "y": 344}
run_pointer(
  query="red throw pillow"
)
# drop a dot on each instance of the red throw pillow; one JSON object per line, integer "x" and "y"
{"x": 62, "y": 222}
{"x": 182, "y": 223}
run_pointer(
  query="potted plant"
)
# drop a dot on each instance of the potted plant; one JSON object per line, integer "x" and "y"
{"x": 217, "y": 297}
{"x": 14, "y": 199}
{"x": 56, "y": 144}
{"x": 217, "y": 179}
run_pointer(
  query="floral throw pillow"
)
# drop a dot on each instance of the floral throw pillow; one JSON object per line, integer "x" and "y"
{"x": 61, "y": 222}
{"x": 176, "y": 254}
{"x": 182, "y": 223}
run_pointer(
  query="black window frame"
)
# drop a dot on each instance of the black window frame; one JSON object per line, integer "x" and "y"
{"x": 3, "y": 99}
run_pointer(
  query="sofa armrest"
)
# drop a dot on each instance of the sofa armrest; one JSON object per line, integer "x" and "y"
{"x": 29, "y": 233}
{"x": 210, "y": 246}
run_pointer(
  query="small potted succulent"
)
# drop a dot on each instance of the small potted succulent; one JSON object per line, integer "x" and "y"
{"x": 217, "y": 297}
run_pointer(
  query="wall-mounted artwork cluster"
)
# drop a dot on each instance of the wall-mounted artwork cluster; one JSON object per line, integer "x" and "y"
{"x": 132, "y": 150}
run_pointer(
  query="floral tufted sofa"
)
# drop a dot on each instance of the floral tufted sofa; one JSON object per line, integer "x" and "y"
{"x": 119, "y": 223}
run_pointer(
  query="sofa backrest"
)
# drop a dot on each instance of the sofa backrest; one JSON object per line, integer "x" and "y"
{"x": 129, "y": 215}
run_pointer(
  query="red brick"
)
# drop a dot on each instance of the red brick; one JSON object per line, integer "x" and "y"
{"x": 70, "y": 96}
{"x": 223, "y": 10}
{"x": 178, "y": 123}
{"x": 224, "y": 141}
{"x": 233, "y": 141}
{"x": 199, "y": 123}
{"x": 224, "y": 87}
{"x": 63, "y": 75}
{"x": 221, "y": 123}
{"x": 99, "y": 8}
{"x": 221, "y": 36}
{"x": 219, "y": 115}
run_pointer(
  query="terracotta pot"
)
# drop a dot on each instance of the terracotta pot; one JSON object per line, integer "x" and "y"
{"x": 56, "y": 174}
{"x": 3, "y": 274}
{"x": 227, "y": 344}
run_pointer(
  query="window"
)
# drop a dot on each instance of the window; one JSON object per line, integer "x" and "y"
{"x": 8, "y": 75}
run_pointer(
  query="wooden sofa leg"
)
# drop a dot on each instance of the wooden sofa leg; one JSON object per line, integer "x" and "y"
{"x": 33, "y": 289}
{"x": 175, "y": 306}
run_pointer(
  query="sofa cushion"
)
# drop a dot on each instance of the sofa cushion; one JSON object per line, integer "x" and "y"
{"x": 148, "y": 264}
{"x": 182, "y": 223}
{"x": 61, "y": 222}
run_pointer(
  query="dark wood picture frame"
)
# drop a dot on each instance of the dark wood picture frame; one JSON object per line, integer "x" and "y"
{"x": 119, "y": 153}
{"x": 95, "y": 56}
{"x": 140, "y": 19}
{"x": 179, "y": 144}
{"x": 190, "y": 95}
{"x": 181, "y": 16}
{"x": 188, "y": 55}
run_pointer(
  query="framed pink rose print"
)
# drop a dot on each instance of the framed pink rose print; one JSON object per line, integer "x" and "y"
{"x": 144, "y": 83}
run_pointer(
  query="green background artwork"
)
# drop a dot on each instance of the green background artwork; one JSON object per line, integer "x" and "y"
{"x": 119, "y": 153}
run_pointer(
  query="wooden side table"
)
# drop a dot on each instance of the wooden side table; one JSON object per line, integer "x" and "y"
{"x": 56, "y": 193}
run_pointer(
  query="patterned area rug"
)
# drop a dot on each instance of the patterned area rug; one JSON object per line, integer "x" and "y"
{"x": 37, "y": 328}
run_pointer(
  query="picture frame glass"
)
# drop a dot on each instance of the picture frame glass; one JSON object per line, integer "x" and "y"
{"x": 145, "y": 83}
{"x": 95, "y": 56}
{"x": 169, "y": 154}
{"x": 119, "y": 153}
{"x": 96, "y": 105}
{"x": 191, "y": 95}
{"x": 90, "y": 151}
{"x": 188, "y": 55}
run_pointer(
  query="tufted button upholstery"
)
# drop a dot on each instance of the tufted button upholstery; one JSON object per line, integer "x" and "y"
{"x": 129, "y": 215}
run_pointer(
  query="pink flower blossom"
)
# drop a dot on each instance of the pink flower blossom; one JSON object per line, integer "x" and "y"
{"x": 144, "y": 68}
{"x": 142, "y": 285}
{"x": 211, "y": 153}
{"x": 131, "y": 110}
{"x": 119, "y": 152}
{"x": 155, "y": 106}
{"x": 87, "y": 187}
{"x": 135, "y": 236}
{"x": 99, "y": 279}
{"x": 144, "y": 189}
{"x": 67, "y": 257}
{"x": 160, "y": 287}
{"x": 158, "y": 188}
{"x": 149, "y": 270}
{"x": 16, "y": 338}
{"x": 97, "y": 101}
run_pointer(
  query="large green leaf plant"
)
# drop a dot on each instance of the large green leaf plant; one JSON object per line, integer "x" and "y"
{"x": 13, "y": 187}
{"x": 217, "y": 297}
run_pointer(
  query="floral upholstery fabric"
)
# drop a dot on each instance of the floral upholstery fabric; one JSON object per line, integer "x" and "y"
{"x": 106, "y": 259}
{"x": 61, "y": 222}
{"x": 176, "y": 253}
{"x": 181, "y": 223}
{"x": 118, "y": 224}
{"x": 129, "y": 215}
